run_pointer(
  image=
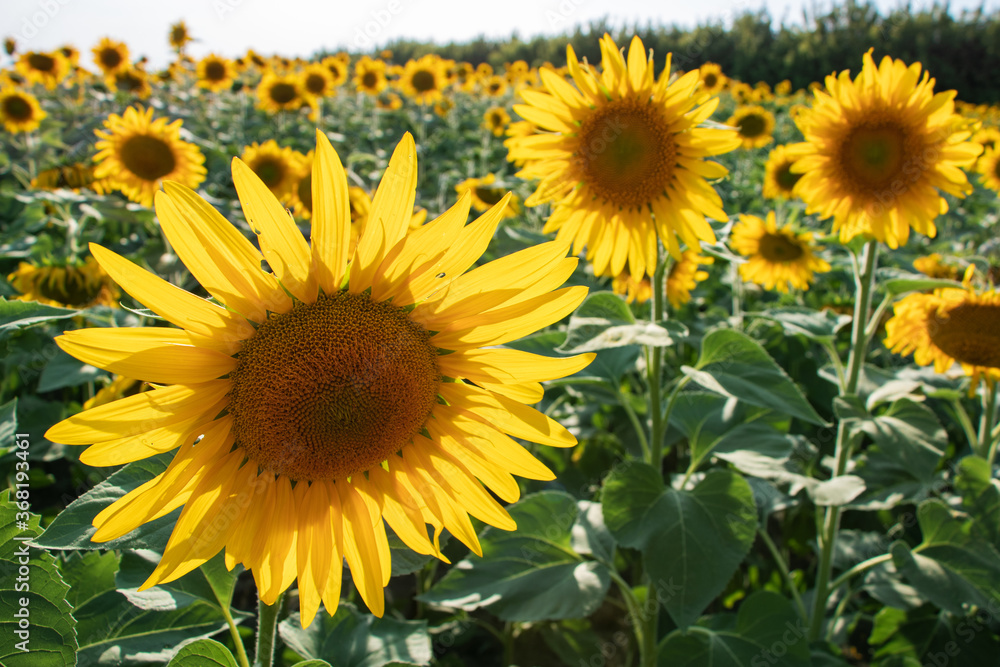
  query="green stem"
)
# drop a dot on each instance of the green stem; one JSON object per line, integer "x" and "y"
{"x": 962, "y": 416}
{"x": 267, "y": 625}
{"x": 783, "y": 568}
{"x": 838, "y": 365}
{"x": 737, "y": 297}
{"x": 508, "y": 643}
{"x": 634, "y": 611}
{"x": 858, "y": 569}
{"x": 640, "y": 432}
{"x": 986, "y": 440}
{"x": 654, "y": 374}
{"x": 241, "y": 652}
{"x": 864, "y": 279}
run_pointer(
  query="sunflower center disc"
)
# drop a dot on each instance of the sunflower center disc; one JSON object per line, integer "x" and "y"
{"x": 74, "y": 289}
{"x": 710, "y": 80}
{"x": 996, "y": 168}
{"x": 873, "y": 156}
{"x": 271, "y": 172}
{"x": 751, "y": 126}
{"x": 215, "y": 71}
{"x": 305, "y": 192}
{"x": 490, "y": 196}
{"x": 369, "y": 80}
{"x": 17, "y": 108}
{"x": 283, "y": 93}
{"x": 970, "y": 334}
{"x": 779, "y": 248}
{"x": 111, "y": 58}
{"x": 315, "y": 84}
{"x": 147, "y": 157}
{"x": 42, "y": 62}
{"x": 786, "y": 179}
{"x": 332, "y": 388}
{"x": 626, "y": 153}
{"x": 423, "y": 81}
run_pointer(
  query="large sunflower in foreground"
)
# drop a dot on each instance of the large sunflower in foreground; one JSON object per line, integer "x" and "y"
{"x": 950, "y": 325}
{"x": 138, "y": 153}
{"x": 19, "y": 111}
{"x": 778, "y": 258}
{"x": 334, "y": 395}
{"x": 878, "y": 149}
{"x": 621, "y": 158}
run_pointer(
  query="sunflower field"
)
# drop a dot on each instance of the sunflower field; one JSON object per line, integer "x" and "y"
{"x": 360, "y": 361}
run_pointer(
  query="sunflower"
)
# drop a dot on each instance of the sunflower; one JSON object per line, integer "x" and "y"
{"x": 684, "y": 276}
{"x": 878, "y": 149}
{"x": 783, "y": 88}
{"x": 71, "y": 54}
{"x": 424, "y": 79}
{"x": 9, "y": 46}
{"x": 933, "y": 265}
{"x": 496, "y": 120}
{"x": 179, "y": 36}
{"x": 111, "y": 56}
{"x": 131, "y": 80}
{"x": 987, "y": 137}
{"x": 332, "y": 395}
{"x": 989, "y": 168}
{"x": 369, "y": 76}
{"x": 443, "y": 106}
{"x": 755, "y": 125}
{"x": 275, "y": 166}
{"x": 622, "y": 159}
{"x": 300, "y": 196}
{"x": 779, "y": 258}
{"x": 485, "y": 197}
{"x": 19, "y": 111}
{"x": 338, "y": 66}
{"x": 494, "y": 86}
{"x": 779, "y": 180}
{"x": 216, "y": 73}
{"x": 317, "y": 81}
{"x": 70, "y": 285}
{"x": 74, "y": 176}
{"x": 280, "y": 92}
{"x": 713, "y": 81}
{"x": 392, "y": 102}
{"x": 138, "y": 153}
{"x": 462, "y": 76}
{"x": 48, "y": 69}
{"x": 950, "y": 325}
{"x": 633, "y": 290}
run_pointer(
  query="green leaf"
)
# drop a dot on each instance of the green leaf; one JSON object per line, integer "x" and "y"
{"x": 65, "y": 371}
{"x": 73, "y": 528}
{"x": 350, "y": 638}
{"x": 918, "y": 283}
{"x": 692, "y": 541}
{"x": 32, "y": 590}
{"x": 532, "y": 573}
{"x": 18, "y": 314}
{"x": 767, "y": 632}
{"x": 203, "y": 653}
{"x": 312, "y": 663}
{"x": 733, "y": 364}
{"x": 980, "y": 497}
{"x": 818, "y": 325}
{"x": 211, "y": 583}
{"x": 929, "y": 636}
{"x": 8, "y": 424}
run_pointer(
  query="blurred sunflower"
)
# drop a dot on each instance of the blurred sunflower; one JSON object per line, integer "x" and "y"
{"x": 424, "y": 79}
{"x": 443, "y": 106}
{"x": 48, "y": 69}
{"x": 9, "y": 46}
{"x": 684, "y": 276}
{"x": 110, "y": 56}
{"x": 496, "y": 120}
{"x": 369, "y": 76}
{"x": 19, "y": 111}
{"x": 462, "y": 76}
{"x": 274, "y": 165}
{"x": 216, "y": 73}
{"x": 783, "y": 88}
{"x": 69, "y": 285}
{"x": 987, "y": 137}
{"x": 332, "y": 395}
{"x": 622, "y": 159}
{"x": 300, "y": 196}
{"x": 317, "y": 81}
{"x": 934, "y": 266}
{"x": 779, "y": 179}
{"x": 119, "y": 387}
{"x": 71, "y": 54}
{"x": 494, "y": 86}
{"x": 779, "y": 258}
{"x": 179, "y": 36}
{"x": 131, "y": 80}
{"x": 713, "y": 81}
{"x": 755, "y": 125}
{"x": 879, "y": 149}
{"x": 485, "y": 197}
{"x": 138, "y": 153}
{"x": 280, "y": 92}
{"x": 391, "y": 102}
{"x": 74, "y": 176}
{"x": 950, "y": 325}
{"x": 989, "y": 168}
{"x": 339, "y": 67}
{"x": 633, "y": 290}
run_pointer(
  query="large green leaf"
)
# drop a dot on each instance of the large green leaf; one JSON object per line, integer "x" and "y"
{"x": 350, "y": 638}
{"x": 66, "y": 371}
{"x": 692, "y": 541}
{"x": 534, "y": 573}
{"x": 37, "y": 628}
{"x": 8, "y": 424}
{"x": 819, "y": 325}
{"x": 203, "y": 653}
{"x": 932, "y": 637}
{"x": 767, "y": 631}
{"x": 733, "y": 364}
{"x": 211, "y": 583}
{"x": 980, "y": 497}
{"x": 17, "y": 314}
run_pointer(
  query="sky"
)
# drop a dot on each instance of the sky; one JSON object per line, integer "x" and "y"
{"x": 303, "y": 27}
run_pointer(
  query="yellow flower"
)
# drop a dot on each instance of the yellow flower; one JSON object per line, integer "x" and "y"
{"x": 496, "y": 120}
{"x": 179, "y": 36}
{"x": 424, "y": 79}
{"x": 989, "y": 168}
{"x": 131, "y": 80}
{"x": 299, "y": 197}
{"x": 933, "y": 266}
{"x": 332, "y": 395}
{"x": 66, "y": 286}
{"x": 274, "y": 165}
{"x": 369, "y": 76}
{"x": 878, "y": 149}
{"x": 685, "y": 275}
{"x": 392, "y": 102}
{"x": 779, "y": 258}
{"x": 713, "y": 81}
{"x": 138, "y": 153}
{"x": 950, "y": 325}
{"x": 987, "y": 137}
{"x": 338, "y": 66}
{"x": 755, "y": 125}
{"x": 48, "y": 69}
{"x": 111, "y": 56}
{"x": 216, "y": 73}
{"x": 485, "y": 197}
{"x": 115, "y": 390}
{"x": 634, "y": 290}
{"x": 19, "y": 111}
{"x": 779, "y": 179}
{"x": 74, "y": 176}
{"x": 280, "y": 92}
{"x": 494, "y": 86}
{"x": 621, "y": 158}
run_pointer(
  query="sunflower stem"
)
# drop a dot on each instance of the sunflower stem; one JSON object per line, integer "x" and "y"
{"x": 779, "y": 560}
{"x": 962, "y": 416}
{"x": 737, "y": 297}
{"x": 267, "y": 625}
{"x": 654, "y": 373}
{"x": 241, "y": 652}
{"x": 864, "y": 274}
{"x": 987, "y": 446}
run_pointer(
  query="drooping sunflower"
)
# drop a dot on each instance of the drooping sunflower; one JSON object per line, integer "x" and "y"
{"x": 110, "y": 56}
{"x": 989, "y": 168}
{"x": 779, "y": 258}
{"x": 633, "y": 290}
{"x": 73, "y": 176}
{"x": 878, "y": 149}
{"x": 950, "y": 325}
{"x": 330, "y": 397}
{"x": 621, "y": 157}
{"x": 369, "y": 76}
{"x": 933, "y": 265}
{"x": 275, "y": 166}
{"x": 179, "y": 36}
{"x": 779, "y": 179}
{"x": 48, "y": 69}
{"x": 216, "y": 73}
{"x": 485, "y": 195}
{"x": 424, "y": 79}
{"x": 713, "y": 81}
{"x": 684, "y": 276}
{"x": 66, "y": 285}
{"x": 280, "y": 92}
{"x": 755, "y": 125}
{"x": 138, "y": 153}
{"x": 19, "y": 111}
{"x": 339, "y": 66}
{"x": 496, "y": 120}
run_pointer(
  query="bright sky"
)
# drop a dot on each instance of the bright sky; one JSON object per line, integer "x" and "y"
{"x": 302, "y": 27}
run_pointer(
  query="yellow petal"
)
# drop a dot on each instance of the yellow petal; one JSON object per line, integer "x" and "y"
{"x": 331, "y": 216}
{"x": 280, "y": 556}
{"x": 315, "y": 546}
{"x": 452, "y": 514}
{"x": 528, "y": 393}
{"x": 331, "y": 593}
{"x": 401, "y": 512}
{"x": 508, "y": 415}
{"x": 503, "y": 366}
{"x": 360, "y": 549}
